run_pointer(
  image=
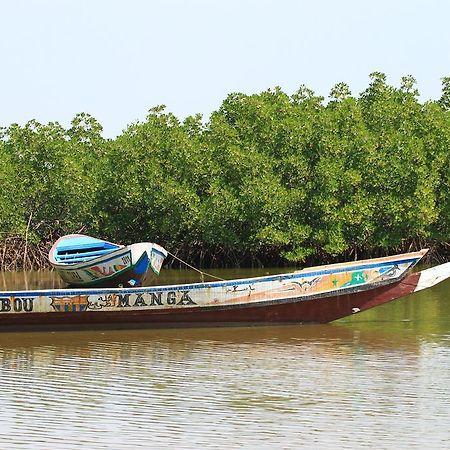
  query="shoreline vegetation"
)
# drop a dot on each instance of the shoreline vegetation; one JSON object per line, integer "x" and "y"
{"x": 270, "y": 179}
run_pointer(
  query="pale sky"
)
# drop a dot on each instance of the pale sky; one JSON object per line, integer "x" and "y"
{"x": 117, "y": 59}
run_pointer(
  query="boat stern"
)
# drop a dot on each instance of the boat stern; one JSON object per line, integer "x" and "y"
{"x": 147, "y": 260}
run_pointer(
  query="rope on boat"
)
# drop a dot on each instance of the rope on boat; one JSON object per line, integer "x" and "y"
{"x": 194, "y": 268}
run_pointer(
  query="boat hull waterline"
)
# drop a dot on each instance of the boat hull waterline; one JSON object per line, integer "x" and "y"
{"x": 316, "y": 295}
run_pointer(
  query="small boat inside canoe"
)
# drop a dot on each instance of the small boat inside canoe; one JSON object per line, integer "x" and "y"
{"x": 85, "y": 261}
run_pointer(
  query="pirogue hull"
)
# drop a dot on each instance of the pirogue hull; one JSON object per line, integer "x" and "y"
{"x": 316, "y": 295}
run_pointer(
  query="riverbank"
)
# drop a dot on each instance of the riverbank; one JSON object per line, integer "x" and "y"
{"x": 17, "y": 254}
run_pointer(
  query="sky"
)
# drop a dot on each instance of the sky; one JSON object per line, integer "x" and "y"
{"x": 117, "y": 59}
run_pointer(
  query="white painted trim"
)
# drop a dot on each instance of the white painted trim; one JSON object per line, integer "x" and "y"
{"x": 433, "y": 276}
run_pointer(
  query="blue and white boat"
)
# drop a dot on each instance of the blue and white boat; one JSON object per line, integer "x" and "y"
{"x": 86, "y": 261}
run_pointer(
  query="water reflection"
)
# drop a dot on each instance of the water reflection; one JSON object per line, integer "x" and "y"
{"x": 37, "y": 279}
{"x": 271, "y": 387}
{"x": 378, "y": 379}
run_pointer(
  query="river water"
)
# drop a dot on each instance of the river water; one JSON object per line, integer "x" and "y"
{"x": 380, "y": 379}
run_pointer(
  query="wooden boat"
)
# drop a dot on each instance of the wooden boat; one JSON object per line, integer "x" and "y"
{"x": 89, "y": 262}
{"x": 318, "y": 294}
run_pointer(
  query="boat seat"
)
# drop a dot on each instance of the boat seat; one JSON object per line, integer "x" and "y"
{"x": 80, "y": 255}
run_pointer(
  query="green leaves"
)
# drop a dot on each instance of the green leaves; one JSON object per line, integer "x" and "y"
{"x": 269, "y": 176}
{"x": 53, "y": 176}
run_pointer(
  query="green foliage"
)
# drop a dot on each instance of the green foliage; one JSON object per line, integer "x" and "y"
{"x": 51, "y": 171}
{"x": 12, "y": 211}
{"x": 269, "y": 176}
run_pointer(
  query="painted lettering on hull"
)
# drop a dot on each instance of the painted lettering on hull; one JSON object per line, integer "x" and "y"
{"x": 16, "y": 304}
{"x": 80, "y": 303}
{"x": 141, "y": 300}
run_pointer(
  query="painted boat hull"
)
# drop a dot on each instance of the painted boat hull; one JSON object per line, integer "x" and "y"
{"x": 127, "y": 266}
{"x": 280, "y": 299}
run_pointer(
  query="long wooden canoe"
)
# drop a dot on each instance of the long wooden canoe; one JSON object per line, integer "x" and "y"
{"x": 317, "y": 294}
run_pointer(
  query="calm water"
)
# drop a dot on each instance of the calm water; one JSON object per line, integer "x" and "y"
{"x": 380, "y": 379}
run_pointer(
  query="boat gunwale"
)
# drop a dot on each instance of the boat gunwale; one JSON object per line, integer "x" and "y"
{"x": 53, "y": 249}
{"x": 420, "y": 253}
{"x": 413, "y": 257}
{"x": 93, "y": 261}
